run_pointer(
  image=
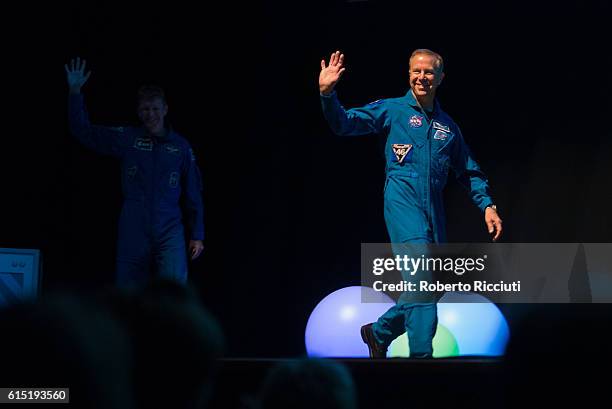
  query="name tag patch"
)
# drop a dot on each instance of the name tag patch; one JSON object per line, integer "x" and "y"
{"x": 143, "y": 144}
{"x": 401, "y": 150}
{"x": 442, "y": 127}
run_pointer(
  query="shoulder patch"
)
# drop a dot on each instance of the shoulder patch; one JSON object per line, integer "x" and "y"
{"x": 401, "y": 150}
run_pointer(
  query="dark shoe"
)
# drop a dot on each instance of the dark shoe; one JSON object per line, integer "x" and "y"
{"x": 376, "y": 350}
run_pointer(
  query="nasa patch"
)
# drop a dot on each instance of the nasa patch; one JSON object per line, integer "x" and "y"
{"x": 416, "y": 121}
{"x": 401, "y": 150}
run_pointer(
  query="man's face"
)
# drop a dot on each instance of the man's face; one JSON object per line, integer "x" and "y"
{"x": 424, "y": 76}
{"x": 152, "y": 112}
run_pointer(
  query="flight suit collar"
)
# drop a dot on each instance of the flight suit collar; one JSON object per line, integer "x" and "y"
{"x": 410, "y": 99}
{"x": 170, "y": 135}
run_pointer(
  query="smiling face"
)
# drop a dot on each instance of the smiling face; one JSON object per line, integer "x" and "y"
{"x": 425, "y": 75}
{"x": 152, "y": 112}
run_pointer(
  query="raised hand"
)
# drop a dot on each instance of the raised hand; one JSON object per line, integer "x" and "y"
{"x": 331, "y": 74}
{"x": 75, "y": 74}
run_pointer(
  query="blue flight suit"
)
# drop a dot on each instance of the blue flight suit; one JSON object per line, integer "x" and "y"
{"x": 419, "y": 151}
{"x": 154, "y": 173}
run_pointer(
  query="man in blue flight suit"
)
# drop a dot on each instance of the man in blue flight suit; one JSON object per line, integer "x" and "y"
{"x": 422, "y": 144}
{"x": 157, "y": 166}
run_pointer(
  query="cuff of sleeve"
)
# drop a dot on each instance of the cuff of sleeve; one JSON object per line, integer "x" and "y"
{"x": 333, "y": 94}
{"x": 199, "y": 235}
{"x": 485, "y": 204}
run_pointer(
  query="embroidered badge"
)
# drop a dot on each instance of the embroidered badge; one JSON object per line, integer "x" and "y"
{"x": 173, "y": 149}
{"x": 143, "y": 144}
{"x": 440, "y": 135}
{"x": 442, "y": 127}
{"x": 173, "y": 182}
{"x": 131, "y": 171}
{"x": 416, "y": 121}
{"x": 401, "y": 150}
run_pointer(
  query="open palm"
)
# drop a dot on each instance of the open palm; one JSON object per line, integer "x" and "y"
{"x": 75, "y": 74}
{"x": 331, "y": 73}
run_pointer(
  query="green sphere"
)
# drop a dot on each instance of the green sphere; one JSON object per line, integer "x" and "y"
{"x": 444, "y": 345}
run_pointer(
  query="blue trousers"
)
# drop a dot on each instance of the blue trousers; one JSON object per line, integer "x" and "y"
{"x": 415, "y": 313}
{"x": 145, "y": 252}
{"x": 419, "y": 320}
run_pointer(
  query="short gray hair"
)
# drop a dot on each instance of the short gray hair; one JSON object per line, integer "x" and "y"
{"x": 439, "y": 60}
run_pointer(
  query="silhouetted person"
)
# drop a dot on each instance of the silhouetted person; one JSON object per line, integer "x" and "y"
{"x": 176, "y": 344}
{"x": 65, "y": 341}
{"x": 308, "y": 384}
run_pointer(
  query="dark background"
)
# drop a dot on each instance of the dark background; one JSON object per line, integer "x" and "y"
{"x": 288, "y": 203}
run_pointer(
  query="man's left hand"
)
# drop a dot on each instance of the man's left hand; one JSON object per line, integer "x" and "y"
{"x": 195, "y": 248}
{"x": 494, "y": 223}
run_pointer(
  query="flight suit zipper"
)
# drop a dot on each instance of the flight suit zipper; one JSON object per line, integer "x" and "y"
{"x": 429, "y": 155}
{"x": 429, "y": 173}
{"x": 154, "y": 188}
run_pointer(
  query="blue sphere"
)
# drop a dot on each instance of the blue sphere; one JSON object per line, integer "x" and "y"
{"x": 334, "y": 326}
{"x": 478, "y": 325}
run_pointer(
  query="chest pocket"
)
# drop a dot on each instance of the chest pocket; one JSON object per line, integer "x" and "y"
{"x": 442, "y": 141}
{"x": 171, "y": 160}
{"x": 171, "y": 157}
{"x": 173, "y": 180}
{"x": 132, "y": 182}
